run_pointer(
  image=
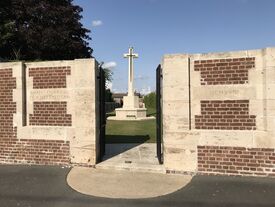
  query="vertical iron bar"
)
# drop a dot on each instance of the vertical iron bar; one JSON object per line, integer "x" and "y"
{"x": 103, "y": 112}
{"x": 158, "y": 118}
{"x": 102, "y": 116}
{"x": 189, "y": 93}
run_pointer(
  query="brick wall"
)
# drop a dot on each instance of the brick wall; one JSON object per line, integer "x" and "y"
{"x": 225, "y": 115}
{"x": 236, "y": 160}
{"x": 28, "y": 151}
{"x": 224, "y": 71}
{"x": 48, "y": 113}
{"x": 13, "y": 150}
{"x": 7, "y": 106}
{"x": 38, "y": 97}
{"x": 49, "y": 77}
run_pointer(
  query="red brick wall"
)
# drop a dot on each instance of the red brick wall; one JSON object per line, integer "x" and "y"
{"x": 7, "y": 106}
{"x": 224, "y": 71}
{"x": 46, "y": 152}
{"x": 50, "y": 114}
{"x": 49, "y": 152}
{"x": 225, "y": 115}
{"x": 49, "y": 77}
{"x": 236, "y": 160}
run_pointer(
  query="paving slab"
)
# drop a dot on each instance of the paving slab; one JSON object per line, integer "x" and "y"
{"x": 124, "y": 184}
{"x": 131, "y": 157}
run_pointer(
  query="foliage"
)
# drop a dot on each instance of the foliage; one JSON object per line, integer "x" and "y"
{"x": 7, "y": 26}
{"x": 150, "y": 100}
{"x": 108, "y": 78}
{"x": 108, "y": 74}
{"x": 42, "y": 30}
{"x": 152, "y": 112}
{"x": 108, "y": 96}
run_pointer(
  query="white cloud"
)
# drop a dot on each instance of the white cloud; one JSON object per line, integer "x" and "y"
{"x": 97, "y": 23}
{"x": 109, "y": 65}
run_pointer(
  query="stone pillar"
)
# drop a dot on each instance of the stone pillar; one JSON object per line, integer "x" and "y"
{"x": 269, "y": 65}
{"x": 179, "y": 148}
{"x": 131, "y": 77}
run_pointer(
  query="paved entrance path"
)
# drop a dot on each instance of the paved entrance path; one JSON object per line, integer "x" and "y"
{"x": 46, "y": 186}
{"x": 124, "y": 184}
{"x": 132, "y": 157}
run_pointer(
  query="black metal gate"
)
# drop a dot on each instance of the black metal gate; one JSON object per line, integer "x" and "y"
{"x": 102, "y": 114}
{"x": 159, "y": 114}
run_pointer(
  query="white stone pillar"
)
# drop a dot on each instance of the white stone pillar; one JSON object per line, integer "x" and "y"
{"x": 131, "y": 55}
{"x": 131, "y": 77}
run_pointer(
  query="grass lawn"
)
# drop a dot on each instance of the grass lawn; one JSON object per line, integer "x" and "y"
{"x": 132, "y": 131}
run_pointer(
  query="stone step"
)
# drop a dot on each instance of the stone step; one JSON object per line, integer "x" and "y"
{"x": 133, "y": 167}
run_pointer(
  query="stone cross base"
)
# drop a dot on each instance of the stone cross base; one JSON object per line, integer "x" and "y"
{"x": 131, "y": 102}
{"x": 130, "y": 114}
{"x": 130, "y": 110}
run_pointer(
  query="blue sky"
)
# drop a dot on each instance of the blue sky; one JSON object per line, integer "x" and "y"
{"x": 158, "y": 27}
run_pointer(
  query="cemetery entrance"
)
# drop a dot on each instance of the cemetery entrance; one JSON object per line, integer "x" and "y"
{"x": 131, "y": 144}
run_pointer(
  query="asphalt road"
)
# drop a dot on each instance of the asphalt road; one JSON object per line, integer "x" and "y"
{"x": 41, "y": 186}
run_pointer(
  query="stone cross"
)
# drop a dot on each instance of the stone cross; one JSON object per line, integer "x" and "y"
{"x": 131, "y": 55}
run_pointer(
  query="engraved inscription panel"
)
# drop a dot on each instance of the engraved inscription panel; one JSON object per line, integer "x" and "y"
{"x": 49, "y": 95}
{"x": 216, "y": 92}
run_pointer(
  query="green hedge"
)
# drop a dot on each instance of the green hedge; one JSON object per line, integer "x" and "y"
{"x": 150, "y": 100}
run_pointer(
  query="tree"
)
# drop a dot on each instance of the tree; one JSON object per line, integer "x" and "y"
{"x": 43, "y": 30}
{"x": 108, "y": 74}
{"x": 108, "y": 95}
{"x": 150, "y": 100}
{"x": 7, "y": 26}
